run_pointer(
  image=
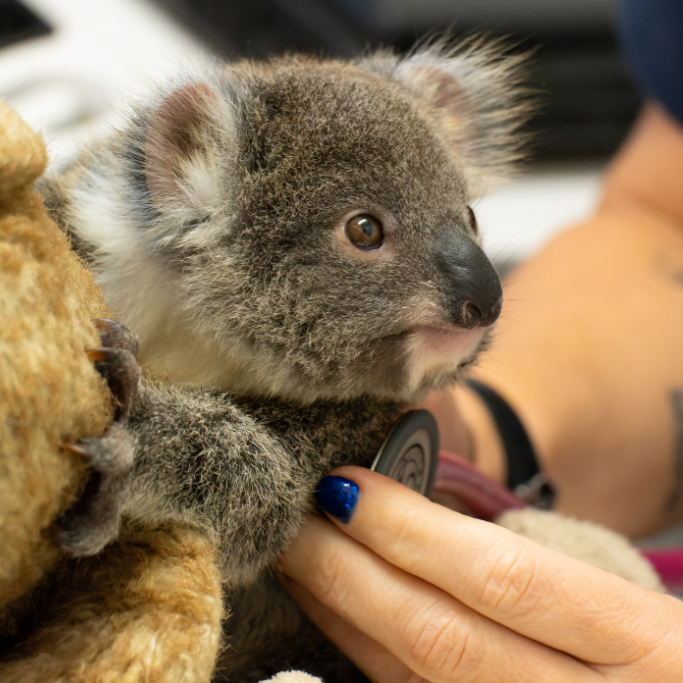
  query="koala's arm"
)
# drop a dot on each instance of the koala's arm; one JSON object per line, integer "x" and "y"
{"x": 202, "y": 461}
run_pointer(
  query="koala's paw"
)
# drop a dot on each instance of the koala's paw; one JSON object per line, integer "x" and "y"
{"x": 94, "y": 520}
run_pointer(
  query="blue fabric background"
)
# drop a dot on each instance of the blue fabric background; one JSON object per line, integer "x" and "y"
{"x": 651, "y": 33}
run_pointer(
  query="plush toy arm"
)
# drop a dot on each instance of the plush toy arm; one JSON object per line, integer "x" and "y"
{"x": 149, "y": 607}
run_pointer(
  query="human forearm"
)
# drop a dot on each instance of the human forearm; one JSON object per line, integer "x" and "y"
{"x": 588, "y": 346}
{"x": 591, "y": 360}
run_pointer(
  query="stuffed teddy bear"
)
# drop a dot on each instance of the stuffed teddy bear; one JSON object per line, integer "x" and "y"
{"x": 149, "y": 606}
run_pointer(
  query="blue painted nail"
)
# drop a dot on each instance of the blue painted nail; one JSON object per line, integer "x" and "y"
{"x": 337, "y": 496}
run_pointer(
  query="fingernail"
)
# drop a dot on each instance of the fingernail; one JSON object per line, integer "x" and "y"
{"x": 337, "y": 496}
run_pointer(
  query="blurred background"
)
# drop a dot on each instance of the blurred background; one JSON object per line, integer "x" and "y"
{"x": 68, "y": 65}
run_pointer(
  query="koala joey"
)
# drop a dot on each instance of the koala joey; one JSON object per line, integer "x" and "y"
{"x": 292, "y": 243}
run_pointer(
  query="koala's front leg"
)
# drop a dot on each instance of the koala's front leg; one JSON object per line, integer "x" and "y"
{"x": 202, "y": 461}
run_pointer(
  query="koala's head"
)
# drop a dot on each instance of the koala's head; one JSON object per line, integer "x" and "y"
{"x": 317, "y": 217}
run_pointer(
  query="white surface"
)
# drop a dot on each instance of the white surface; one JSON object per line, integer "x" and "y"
{"x": 71, "y": 83}
{"x": 520, "y": 218}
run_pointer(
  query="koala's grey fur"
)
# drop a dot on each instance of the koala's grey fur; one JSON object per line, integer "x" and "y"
{"x": 273, "y": 350}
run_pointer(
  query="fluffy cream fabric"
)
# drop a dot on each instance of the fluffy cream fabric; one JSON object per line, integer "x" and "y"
{"x": 584, "y": 541}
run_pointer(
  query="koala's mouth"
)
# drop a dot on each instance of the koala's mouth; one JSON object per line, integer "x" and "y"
{"x": 437, "y": 353}
{"x": 447, "y": 343}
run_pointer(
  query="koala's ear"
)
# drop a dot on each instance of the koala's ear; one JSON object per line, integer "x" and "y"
{"x": 475, "y": 96}
{"x": 180, "y": 151}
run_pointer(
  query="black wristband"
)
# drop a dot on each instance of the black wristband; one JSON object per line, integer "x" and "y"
{"x": 524, "y": 477}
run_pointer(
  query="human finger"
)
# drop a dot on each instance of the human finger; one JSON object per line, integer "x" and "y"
{"x": 373, "y": 659}
{"x": 541, "y": 594}
{"x": 434, "y": 635}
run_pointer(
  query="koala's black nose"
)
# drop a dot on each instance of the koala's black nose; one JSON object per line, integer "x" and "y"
{"x": 473, "y": 316}
{"x": 472, "y": 294}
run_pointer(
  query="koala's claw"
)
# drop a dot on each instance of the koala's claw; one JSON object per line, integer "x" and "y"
{"x": 111, "y": 454}
{"x": 120, "y": 368}
{"x": 115, "y": 335}
{"x": 116, "y": 361}
{"x": 122, "y": 372}
{"x": 94, "y": 520}
{"x": 77, "y": 449}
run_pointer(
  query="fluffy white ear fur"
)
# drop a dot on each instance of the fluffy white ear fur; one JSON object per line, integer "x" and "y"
{"x": 173, "y": 137}
{"x": 182, "y": 164}
{"x": 584, "y": 541}
{"x": 477, "y": 102}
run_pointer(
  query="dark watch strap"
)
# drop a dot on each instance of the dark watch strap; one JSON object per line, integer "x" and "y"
{"x": 524, "y": 475}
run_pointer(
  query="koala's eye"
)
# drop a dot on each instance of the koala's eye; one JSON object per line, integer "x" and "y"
{"x": 473, "y": 220}
{"x": 364, "y": 232}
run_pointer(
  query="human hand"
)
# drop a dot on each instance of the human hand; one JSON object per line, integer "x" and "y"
{"x": 411, "y": 591}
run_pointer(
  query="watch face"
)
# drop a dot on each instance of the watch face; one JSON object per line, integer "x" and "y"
{"x": 410, "y": 453}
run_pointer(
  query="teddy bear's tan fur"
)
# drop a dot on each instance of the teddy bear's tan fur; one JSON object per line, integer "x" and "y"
{"x": 149, "y": 607}
{"x": 49, "y": 391}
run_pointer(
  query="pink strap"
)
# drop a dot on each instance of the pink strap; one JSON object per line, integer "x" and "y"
{"x": 483, "y": 497}
{"x": 668, "y": 563}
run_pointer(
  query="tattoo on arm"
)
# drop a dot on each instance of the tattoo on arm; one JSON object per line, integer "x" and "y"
{"x": 676, "y": 403}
